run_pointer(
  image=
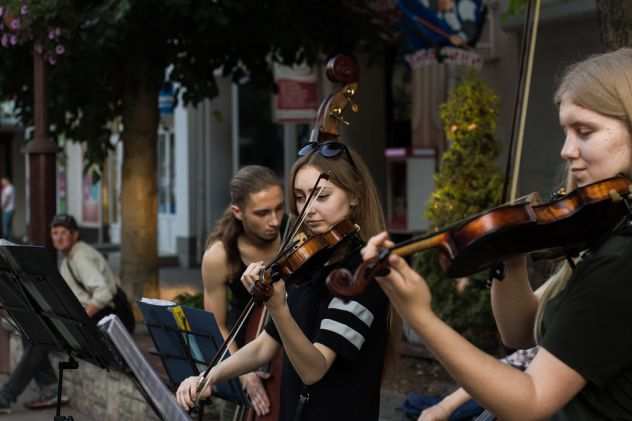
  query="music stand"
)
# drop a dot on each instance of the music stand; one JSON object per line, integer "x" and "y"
{"x": 151, "y": 386}
{"x": 186, "y": 353}
{"x": 46, "y": 311}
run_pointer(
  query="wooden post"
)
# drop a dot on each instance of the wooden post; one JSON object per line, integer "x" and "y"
{"x": 42, "y": 153}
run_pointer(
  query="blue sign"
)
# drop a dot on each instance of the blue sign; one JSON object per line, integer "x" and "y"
{"x": 439, "y": 23}
{"x": 166, "y": 100}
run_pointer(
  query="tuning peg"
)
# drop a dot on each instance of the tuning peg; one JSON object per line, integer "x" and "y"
{"x": 336, "y": 113}
{"x": 349, "y": 93}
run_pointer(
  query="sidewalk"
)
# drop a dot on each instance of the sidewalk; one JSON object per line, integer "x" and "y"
{"x": 19, "y": 413}
{"x": 173, "y": 280}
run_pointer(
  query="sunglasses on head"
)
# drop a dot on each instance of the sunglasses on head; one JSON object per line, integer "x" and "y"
{"x": 327, "y": 149}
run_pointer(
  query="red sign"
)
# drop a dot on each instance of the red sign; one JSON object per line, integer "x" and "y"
{"x": 297, "y": 97}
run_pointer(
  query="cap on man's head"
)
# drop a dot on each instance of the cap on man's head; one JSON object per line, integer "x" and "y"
{"x": 66, "y": 221}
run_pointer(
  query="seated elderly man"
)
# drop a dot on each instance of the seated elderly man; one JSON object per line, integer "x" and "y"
{"x": 91, "y": 279}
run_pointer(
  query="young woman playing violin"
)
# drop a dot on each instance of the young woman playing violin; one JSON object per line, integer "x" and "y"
{"x": 334, "y": 349}
{"x": 581, "y": 317}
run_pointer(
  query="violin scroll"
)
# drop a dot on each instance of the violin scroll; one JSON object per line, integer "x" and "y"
{"x": 343, "y": 284}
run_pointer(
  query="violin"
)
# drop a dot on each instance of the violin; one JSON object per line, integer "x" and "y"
{"x": 298, "y": 250}
{"x": 305, "y": 250}
{"x": 570, "y": 222}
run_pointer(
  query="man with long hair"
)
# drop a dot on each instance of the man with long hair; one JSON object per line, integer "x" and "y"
{"x": 248, "y": 232}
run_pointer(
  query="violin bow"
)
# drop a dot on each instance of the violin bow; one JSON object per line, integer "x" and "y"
{"x": 521, "y": 103}
{"x": 314, "y": 194}
{"x": 223, "y": 350}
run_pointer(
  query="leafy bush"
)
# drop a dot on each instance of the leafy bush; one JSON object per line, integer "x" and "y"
{"x": 468, "y": 182}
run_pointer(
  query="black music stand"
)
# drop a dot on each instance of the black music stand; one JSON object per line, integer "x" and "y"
{"x": 186, "y": 353}
{"x": 46, "y": 311}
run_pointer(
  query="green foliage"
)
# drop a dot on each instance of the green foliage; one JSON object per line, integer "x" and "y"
{"x": 114, "y": 47}
{"x": 516, "y": 6}
{"x": 191, "y": 300}
{"x": 468, "y": 182}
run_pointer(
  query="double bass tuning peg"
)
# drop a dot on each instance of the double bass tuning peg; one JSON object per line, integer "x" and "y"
{"x": 349, "y": 92}
{"x": 336, "y": 113}
{"x": 337, "y": 110}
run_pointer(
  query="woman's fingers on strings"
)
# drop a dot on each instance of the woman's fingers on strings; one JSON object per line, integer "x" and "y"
{"x": 373, "y": 245}
{"x": 251, "y": 274}
{"x": 402, "y": 267}
{"x": 396, "y": 276}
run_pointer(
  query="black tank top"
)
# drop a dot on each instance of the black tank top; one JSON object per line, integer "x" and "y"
{"x": 239, "y": 297}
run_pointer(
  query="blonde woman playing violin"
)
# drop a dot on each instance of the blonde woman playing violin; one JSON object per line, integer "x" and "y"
{"x": 581, "y": 318}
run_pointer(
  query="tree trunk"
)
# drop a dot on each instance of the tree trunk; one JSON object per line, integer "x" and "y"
{"x": 139, "y": 246}
{"x": 616, "y": 23}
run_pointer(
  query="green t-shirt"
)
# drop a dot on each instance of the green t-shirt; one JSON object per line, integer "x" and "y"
{"x": 588, "y": 326}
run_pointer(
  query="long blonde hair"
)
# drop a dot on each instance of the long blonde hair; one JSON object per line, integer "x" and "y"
{"x": 601, "y": 83}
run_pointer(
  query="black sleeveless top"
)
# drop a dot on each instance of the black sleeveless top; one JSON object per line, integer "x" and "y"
{"x": 237, "y": 301}
{"x": 239, "y": 295}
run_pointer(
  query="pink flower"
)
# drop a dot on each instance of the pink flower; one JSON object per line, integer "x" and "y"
{"x": 24, "y": 9}
{"x": 52, "y": 59}
{"x": 1, "y": 10}
{"x": 15, "y": 24}
{"x": 13, "y": 39}
{"x": 5, "y": 40}
{"x": 51, "y": 34}
{"x": 59, "y": 49}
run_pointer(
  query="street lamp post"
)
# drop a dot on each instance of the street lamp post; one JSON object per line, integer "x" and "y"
{"x": 42, "y": 152}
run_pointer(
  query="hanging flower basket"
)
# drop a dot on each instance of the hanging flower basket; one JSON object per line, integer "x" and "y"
{"x": 17, "y": 27}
